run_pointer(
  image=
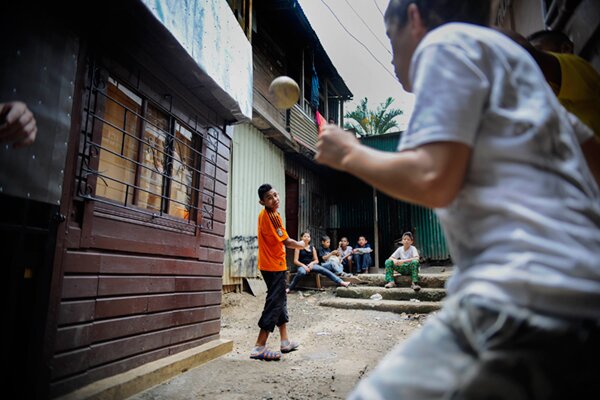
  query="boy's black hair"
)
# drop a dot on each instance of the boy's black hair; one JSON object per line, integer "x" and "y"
{"x": 555, "y": 37}
{"x": 438, "y": 12}
{"x": 410, "y": 235}
{"x": 324, "y": 238}
{"x": 305, "y": 231}
{"x": 344, "y": 237}
{"x": 362, "y": 236}
{"x": 263, "y": 189}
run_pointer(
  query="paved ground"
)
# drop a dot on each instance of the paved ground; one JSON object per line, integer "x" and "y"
{"x": 338, "y": 348}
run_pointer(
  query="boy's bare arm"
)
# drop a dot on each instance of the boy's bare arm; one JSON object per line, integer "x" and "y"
{"x": 431, "y": 175}
{"x": 294, "y": 244}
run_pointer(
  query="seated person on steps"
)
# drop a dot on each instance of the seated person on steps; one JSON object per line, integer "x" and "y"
{"x": 361, "y": 255}
{"x": 404, "y": 260}
{"x": 345, "y": 254}
{"x": 330, "y": 259}
{"x": 307, "y": 261}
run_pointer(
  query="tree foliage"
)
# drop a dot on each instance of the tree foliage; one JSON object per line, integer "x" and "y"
{"x": 366, "y": 122}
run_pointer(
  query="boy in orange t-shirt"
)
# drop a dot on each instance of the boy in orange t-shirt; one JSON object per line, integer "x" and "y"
{"x": 272, "y": 241}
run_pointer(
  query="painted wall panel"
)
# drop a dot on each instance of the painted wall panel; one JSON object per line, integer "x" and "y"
{"x": 211, "y": 35}
{"x": 396, "y": 217}
{"x": 254, "y": 161}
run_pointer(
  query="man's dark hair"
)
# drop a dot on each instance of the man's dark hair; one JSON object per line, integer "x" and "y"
{"x": 263, "y": 189}
{"x": 324, "y": 238}
{"x": 409, "y": 234}
{"x": 556, "y": 37}
{"x": 438, "y": 12}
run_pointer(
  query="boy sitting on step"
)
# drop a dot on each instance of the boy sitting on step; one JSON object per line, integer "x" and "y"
{"x": 404, "y": 260}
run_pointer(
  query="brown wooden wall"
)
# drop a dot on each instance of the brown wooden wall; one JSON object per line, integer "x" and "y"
{"x": 128, "y": 290}
{"x": 264, "y": 73}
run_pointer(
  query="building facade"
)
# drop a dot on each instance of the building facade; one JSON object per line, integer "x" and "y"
{"x": 277, "y": 146}
{"x": 119, "y": 208}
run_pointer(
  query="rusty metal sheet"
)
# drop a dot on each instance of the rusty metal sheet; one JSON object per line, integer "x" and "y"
{"x": 39, "y": 69}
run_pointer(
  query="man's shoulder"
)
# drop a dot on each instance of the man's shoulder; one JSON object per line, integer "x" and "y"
{"x": 471, "y": 38}
{"x": 576, "y": 63}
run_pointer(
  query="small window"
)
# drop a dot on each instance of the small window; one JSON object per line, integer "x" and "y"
{"x": 148, "y": 160}
{"x": 184, "y": 157}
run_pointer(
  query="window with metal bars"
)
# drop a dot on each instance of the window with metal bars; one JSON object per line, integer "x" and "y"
{"x": 138, "y": 156}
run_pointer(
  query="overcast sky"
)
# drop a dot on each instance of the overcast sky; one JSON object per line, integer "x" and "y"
{"x": 367, "y": 75}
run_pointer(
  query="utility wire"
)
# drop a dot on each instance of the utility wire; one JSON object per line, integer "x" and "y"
{"x": 377, "y": 5}
{"x": 368, "y": 27}
{"x": 355, "y": 38}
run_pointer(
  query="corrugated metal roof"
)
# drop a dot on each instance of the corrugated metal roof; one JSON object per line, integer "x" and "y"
{"x": 385, "y": 142}
{"x": 396, "y": 217}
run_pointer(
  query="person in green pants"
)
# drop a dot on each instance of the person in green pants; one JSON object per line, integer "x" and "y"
{"x": 404, "y": 260}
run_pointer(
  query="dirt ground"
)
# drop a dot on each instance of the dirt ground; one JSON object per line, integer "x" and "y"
{"x": 338, "y": 347}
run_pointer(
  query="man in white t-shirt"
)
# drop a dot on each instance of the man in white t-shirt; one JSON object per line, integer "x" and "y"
{"x": 491, "y": 149}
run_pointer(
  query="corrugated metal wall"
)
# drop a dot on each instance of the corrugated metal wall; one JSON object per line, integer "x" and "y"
{"x": 396, "y": 217}
{"x": 429, "y": 234}
{"x": 394, "y": 220}
{"x": 386, "y": 142}
{"x": 314, "y": 198}
{"x": 351, "y": 211}
{"x": 354, "y": 211}
{"x": 330, "y": 203}
{"x": 254, "y": 161}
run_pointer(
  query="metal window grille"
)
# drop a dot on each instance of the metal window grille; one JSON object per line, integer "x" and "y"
{"x": 176, "y": 157}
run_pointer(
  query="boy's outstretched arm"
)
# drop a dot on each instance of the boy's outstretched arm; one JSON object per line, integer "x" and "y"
{"x": 294, "y": 244}
{"x": 430, "y": 175}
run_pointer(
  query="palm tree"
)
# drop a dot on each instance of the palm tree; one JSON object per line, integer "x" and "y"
{"x": 367, "y": 123}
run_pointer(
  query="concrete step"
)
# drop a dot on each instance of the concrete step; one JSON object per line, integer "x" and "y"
{"x": 313, "y": 280}
{"x": 365, "y": 292}
{"x": 426, "y": 280}
{"x": 395, "y": 306}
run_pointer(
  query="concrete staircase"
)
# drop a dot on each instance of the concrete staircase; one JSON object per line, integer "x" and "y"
{"x": 367, "y": 293}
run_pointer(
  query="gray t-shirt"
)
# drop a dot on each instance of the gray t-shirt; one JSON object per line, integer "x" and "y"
{"x": 401, "y": 254}
{"x": 525, "y": 226}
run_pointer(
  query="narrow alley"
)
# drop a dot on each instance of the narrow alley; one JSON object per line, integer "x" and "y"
{"x": 338, "y": 347}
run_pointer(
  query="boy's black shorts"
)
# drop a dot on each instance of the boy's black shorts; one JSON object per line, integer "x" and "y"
{"x": 275, "y": 311}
